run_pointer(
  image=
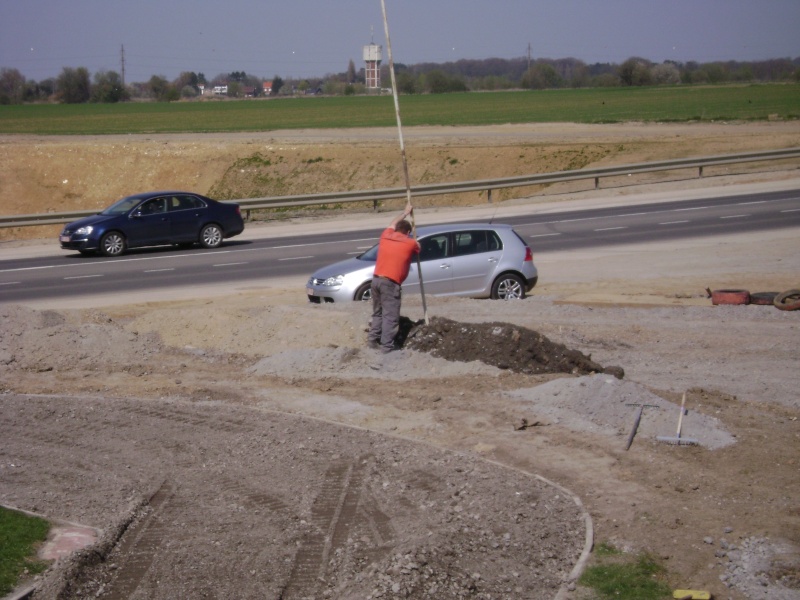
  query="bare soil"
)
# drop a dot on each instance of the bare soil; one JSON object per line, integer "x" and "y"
{"x": 248, "y": 444}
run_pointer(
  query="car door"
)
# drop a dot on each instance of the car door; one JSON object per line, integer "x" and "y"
{"x": 435, "y": 263}
{"x": 476, "y": 254}
{"x": 187, "y": 215}
{"x": 148, "y": 224}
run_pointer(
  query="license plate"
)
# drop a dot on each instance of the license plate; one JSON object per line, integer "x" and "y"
{"x": 64, "y": 238}
{"x": 310, "y": 291}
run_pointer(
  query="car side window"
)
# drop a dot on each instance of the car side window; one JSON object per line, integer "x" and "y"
{"x": 469, "y": 242}
{"x": 493, "y": 241}
{"x": 154, "y": 206}
{"x": 434, "y": 247}
{"x": 185, "y": 203}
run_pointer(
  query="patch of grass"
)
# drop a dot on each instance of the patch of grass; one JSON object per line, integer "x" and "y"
{"x": 594, "y": 105}
{"x": 19, "y": 534}
{"x": 619, "y": 578}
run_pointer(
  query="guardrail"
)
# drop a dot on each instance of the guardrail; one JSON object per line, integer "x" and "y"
{"x": 481, "y": 185}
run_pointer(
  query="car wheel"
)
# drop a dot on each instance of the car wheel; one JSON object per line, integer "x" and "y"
{"x": 112, "y": 244}
{"x": 508, "y": 287}
{"x": 364, "y": 293}
{"x": 211, "y": 236}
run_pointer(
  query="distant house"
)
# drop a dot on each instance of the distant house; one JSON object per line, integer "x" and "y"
{"x": 202, "y": 88}
{"x": 221, "y": 89}
{"x": 267, "y": 88}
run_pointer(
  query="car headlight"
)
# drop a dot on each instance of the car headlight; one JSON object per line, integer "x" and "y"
{"x": 84, "y": 230}
{"x": 331, "y": 281}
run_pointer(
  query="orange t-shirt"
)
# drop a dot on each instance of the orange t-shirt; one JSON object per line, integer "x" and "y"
{"x": 394, "y": 255}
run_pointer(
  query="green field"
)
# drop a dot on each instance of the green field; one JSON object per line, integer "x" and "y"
{"x": 596, "y": 105}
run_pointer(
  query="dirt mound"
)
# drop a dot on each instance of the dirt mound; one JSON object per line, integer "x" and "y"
{"x": 504, "y": 346}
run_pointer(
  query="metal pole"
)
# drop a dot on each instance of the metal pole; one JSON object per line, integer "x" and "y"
{"x": 403, "y": 153}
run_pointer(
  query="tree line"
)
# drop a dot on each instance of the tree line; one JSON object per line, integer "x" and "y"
{"x": 77, "y": 85}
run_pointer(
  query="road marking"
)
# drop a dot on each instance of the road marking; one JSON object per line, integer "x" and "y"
{"x": 229, "y": 264}
{"x": 295, "y": 258}
{"x": 157, "y": 270}
{"x": 734, "y": 216}
{"x": 84, "y": 276}
{"x": 634, "y": 214}
{"x": 610, "y": 228}
{"x": 753, "y": 202}
{"x": 28, "y": 269}
{"x": 11, "y": 283}
{"x": 691, "y": 208}
{"x": 791, "y": 210}
{"x": 674, "y": 222}
{"x": 543, "y": 235}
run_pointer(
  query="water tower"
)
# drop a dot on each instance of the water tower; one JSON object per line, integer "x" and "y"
{"x": 372, "y": 65}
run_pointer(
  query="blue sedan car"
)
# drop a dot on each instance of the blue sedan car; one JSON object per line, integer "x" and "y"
{"x": 154, "y": 219}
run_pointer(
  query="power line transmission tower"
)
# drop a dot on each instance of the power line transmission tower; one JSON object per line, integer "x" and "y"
{"x": 122, "y": 63}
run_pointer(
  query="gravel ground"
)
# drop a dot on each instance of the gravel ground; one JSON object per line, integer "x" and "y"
{"x": 245, "y": 443}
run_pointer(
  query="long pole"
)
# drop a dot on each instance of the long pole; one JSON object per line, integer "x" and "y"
{"x": 403, "y": 153}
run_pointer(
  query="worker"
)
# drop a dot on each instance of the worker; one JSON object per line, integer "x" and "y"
{"x": 396, "y": 248}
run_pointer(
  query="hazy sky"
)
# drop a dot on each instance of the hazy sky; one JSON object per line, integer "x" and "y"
{"x": 301, "y": 38}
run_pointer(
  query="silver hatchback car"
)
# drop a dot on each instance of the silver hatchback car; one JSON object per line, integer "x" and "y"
{"x": 478, "y": 260}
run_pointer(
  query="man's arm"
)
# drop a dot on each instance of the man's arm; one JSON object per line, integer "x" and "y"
{"x": 408, "y": 210}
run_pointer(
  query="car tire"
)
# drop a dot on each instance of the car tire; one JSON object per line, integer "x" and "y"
{"x": 364, "y": 293}
{"x": 763, "y": 298}
{"x": 730, "y": 297}
{"x": 113, "y": 244}
{"x": 789, "y": 300}
{"x": 508, "y": 287}
{"x": 211, "y": 236}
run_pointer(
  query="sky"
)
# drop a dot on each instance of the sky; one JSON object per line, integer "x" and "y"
{"x": 312, "y": 38}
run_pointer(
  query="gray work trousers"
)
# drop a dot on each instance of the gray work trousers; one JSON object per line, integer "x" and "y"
{"x": 386, "y": 297}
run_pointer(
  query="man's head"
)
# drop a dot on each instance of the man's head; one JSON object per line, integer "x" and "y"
{"x": 403, "y": 227}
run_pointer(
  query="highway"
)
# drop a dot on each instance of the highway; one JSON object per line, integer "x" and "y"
{"x": 239, "y": 261}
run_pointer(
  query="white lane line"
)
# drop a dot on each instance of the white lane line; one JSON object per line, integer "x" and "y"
{"x": 734, "y": 216}
{"x": 295, "y": 258}
{"x": 157, "y": 270}
{"x": 27, "y": 269}
{"x": 11, "y": 283}
{"x": 84, "y": 276}
{"x": 674, "y": 222}
{"x": 691, "y": 208}
{"x": 753, "y": 202}
{"x": 633, "y": 214}
{"x": 543, "y": 235}
{"x": 610, "y": 228}
{"x": 791, "y": 210}
{"x": 230, "y": 264}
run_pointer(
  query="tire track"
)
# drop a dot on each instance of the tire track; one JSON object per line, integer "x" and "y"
{"x": 343, "y": 510}
{"x": 139, "y": 547}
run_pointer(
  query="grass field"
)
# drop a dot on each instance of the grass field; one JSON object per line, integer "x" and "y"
{"x": 18, "y": 535}
{"x": 597, "y": 105}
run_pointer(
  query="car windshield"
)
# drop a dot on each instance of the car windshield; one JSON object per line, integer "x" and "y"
{"x": 122, "y": 206}
{"x": 370, "y": 255}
